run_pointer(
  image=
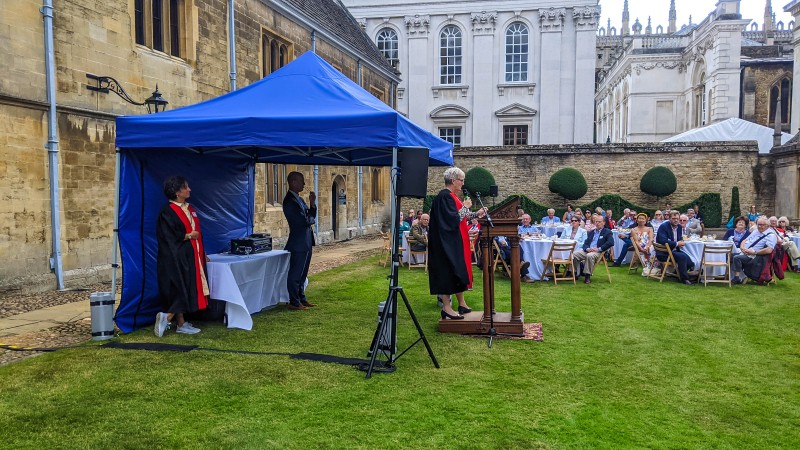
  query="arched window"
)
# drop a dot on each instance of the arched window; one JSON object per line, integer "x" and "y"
{"x": 388, "y": 46}
{"x": 517, "y": 53}
{"x": 783, "y": 89}
{"x": 450, "y": 55}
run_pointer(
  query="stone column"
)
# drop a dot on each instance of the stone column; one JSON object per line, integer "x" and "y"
{"x": 418, "y": 77}
{"x": 586, "y": 19}
{"x": 552, "y": 23}
{"x": 794, "y": 9}
{"x": 483, "y": 66}
{"x": 726, "y": 54}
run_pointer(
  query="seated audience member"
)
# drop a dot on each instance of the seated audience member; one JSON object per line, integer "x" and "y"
{"x": 412, "y": 215}
{"x": 626, "y": 220}
{"x": 783, "y": 222}
{"x": 474, "y": 226}
{"x": 643, "y": 236}
{"x": 667, "y": 209}
{"x": 792, "y": 253}
{"x": 760, "y": 243}
{"x": 418, "y": 238}
{"x": 626, "y": 245}
{"x": 693, "y": 226}
{"x": 403, "y": 225}
{"x": 568, "y": 214}
{"x": 610, "y": 222}
{"x": 752, "y": 215}
{"x": 597, "y": 242}
{"x": 579, "y": 215}
{"x": 520, "y": 212}
{"x": 670, "y": 234}
{"x": 505, "y": 253}
{"x": 739, "y": 232}
{"x": 657, "y": 220}
{"x": 575, "y": 231}
{"x": 601, "y": 211}
{"x": 697, "y": 214}
{"x": 550, "y": 218}
{"x": 526, "y": 228}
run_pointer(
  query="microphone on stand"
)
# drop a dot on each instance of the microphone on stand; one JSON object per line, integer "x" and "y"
{"x": 465, "y": 191}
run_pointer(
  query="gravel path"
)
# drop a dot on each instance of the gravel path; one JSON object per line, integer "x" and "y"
{"x": 77, "y": 332}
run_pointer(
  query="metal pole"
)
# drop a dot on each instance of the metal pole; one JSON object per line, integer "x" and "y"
{"x": 232, "y": 43}
{"x": 115, "y": 236}
{"x": 52, "y": 142}
{"x": 360, "y": 179}
{"x": 316, "y": 190}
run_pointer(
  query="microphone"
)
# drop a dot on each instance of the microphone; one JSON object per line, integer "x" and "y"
{"x": 465, "y": 191}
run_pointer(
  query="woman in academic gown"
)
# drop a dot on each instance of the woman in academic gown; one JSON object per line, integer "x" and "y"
{"x": 450, "y": 266}
{"x": 181, "y": 263}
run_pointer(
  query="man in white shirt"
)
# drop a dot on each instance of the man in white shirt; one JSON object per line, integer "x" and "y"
{"x": 550, "y": 218}
{"x": 760, "y": 242}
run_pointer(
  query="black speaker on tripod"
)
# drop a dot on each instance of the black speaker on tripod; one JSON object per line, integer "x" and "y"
{"x": 493, "y": 190}
{"x": 413, "y": 178}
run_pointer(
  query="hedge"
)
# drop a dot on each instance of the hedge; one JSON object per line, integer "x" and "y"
{"x": 568, "y": 183}
{"x": 735, "y": 210}
{"x": 710, "y": 206}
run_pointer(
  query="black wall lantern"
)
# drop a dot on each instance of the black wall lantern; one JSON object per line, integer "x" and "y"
{"x": 342, "y": 197}
{"x": 155, "y": 103}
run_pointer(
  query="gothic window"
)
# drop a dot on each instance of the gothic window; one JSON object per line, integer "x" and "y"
{"x": 276, "y": 183}
{"x": 783, "y": 89}
{"x": 451, "y": 135}
{"x": 275, "y": 52}
{"x": 450, "y": 55}
{"x": 515, "y": 135}
{"x": 388, "y": 45}
{"x": 517, "y": 53}
{"x": 161, "y": 25}
{"x": 375, "y": 184}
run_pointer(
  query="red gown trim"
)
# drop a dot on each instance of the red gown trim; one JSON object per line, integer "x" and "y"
{"x": 197, "y": 247}
{"x": 464, "y": 229}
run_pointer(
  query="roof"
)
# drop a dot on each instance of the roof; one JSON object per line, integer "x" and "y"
{"x": 733, "y": 129}
{"x": 336, "y": 19}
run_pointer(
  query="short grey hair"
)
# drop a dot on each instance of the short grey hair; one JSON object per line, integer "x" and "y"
{"x": 451, "y": 174}
{"x": 551, "y": 209}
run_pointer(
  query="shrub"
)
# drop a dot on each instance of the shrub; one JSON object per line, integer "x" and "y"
{"x": 478, "y": 179}
{"x": 568, "y": 183}
{"x": 710, "y": 206}
{"x": 735, "y": 210}
{"x": 427, "y": 202}
{"x": 659, "y": 182}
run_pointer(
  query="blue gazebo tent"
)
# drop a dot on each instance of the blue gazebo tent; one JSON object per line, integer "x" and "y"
{"x": 305, "y": 113}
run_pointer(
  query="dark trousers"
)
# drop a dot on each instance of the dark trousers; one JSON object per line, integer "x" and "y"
{"x": 298, "y": 271}
{"x": 418, "y": 247}
{"x": 683, "y": 261}
{"x": 626, "y": 245}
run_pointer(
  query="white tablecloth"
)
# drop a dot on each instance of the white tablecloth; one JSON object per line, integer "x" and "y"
{"x": 796, "y": 240}
{"x": 248, "y": 283}
{"x": 618, "y": 243}
{"x": 404, "y": 247}
{"x": 694, "y": 249}
{"x": 534, "y": 250}
{"x": 550, "y": 230}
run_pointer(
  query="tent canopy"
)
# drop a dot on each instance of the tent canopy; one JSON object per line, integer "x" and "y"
{"x": 305, "y": 113}
{"x": 733, "y": 129}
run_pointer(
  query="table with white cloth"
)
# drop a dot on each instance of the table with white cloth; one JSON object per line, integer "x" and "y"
{"x": 549, "y": 230}
{"x": 248, "y": 283}
{"x": 694, "y": 249}
{"x": 405, "y": 254}
{"x": 618, "y": 243}
{"x": 535, "y": 250}
{"x": 796, "y": 239}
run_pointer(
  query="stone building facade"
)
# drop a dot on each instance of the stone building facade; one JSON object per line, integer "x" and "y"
{"x": 618, "y": 168}
{"x": 479, "y": 72}
{"x": 182, "y": 46}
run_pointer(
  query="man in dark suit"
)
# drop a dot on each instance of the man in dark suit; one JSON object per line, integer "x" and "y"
{"x": 597, "y": 242}
{"x": 300, "y": 217}
{"x": 670, "y": 233}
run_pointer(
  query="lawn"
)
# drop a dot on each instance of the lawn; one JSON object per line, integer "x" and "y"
{"x": 629, "y": 364}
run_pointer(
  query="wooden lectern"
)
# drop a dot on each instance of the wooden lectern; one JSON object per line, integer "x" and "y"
{"x": 505, "y": 224}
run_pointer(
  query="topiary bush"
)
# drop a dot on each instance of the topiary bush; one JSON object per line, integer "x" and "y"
{"x": 568, "y": 183}
{"x": 735, "y": 210}
{"x": 659, "y": 182}
{"x": 478, "y": 179}
{"x": 710, "y": 206}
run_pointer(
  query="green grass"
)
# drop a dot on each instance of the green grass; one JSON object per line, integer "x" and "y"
{"x": 629, "y": 364}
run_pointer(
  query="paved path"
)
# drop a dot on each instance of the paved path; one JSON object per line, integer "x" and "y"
{"x": 325, "y": 257}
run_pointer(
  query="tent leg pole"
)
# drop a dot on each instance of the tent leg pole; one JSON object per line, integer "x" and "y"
{"x": 115, "y": 236}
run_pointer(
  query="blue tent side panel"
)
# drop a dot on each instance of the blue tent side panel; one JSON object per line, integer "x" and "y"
{"x": 223, "y": 191}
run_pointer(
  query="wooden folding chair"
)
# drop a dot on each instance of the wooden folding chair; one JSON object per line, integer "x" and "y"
{"x": 556, "y": 257}
{"x": 605, "y": 263}
{"x": 473, "y": 248}
{"x": 670, "y": 262}
{"x": 706, "y": 264}
{"x": 636, "y": 260}
{"x": 412, "y": 258}
{"x": 386, "y": 251}
{"x": 498, "y": 258}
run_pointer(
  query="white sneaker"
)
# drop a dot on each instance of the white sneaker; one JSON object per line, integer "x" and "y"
{"x": 162, "y": 324}
{"x": 187, "y": 328}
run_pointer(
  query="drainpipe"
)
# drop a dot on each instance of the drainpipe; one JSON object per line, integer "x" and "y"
{"x": 360, "y": 178}
{"x": 313, "y": 41}
{"x": 232, "y": 43}
{"x": 52, "y": 141}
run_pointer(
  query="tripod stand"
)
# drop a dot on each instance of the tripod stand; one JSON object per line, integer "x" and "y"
{"x": 388, "y": 317}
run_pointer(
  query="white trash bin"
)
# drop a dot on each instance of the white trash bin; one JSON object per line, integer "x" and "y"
{"x": 102, "y": 309}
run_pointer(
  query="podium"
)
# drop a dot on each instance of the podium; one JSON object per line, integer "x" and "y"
{"x": 505, "y": 224}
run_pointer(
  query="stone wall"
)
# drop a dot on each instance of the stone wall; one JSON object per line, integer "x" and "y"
{"x": 618, "y": 168}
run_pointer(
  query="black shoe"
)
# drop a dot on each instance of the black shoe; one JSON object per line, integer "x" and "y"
{"x": 736, "y": 280}
{"x": 448, "y": 316}
{"x": 687, "y": 282}
{"x": 587, "y": 280}
{"x": 463, "y": 310}
{"x": 523, "y": 269}
{"x": 615, "y": 264}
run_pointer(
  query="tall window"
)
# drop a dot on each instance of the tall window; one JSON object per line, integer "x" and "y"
{"x": 517, "y": 53}
{"x": 388, "y": 46}
{"x": 784, "y": 90}
{"x": 375, "y": 184}
{"x": 450, "y": 55}
{"x": 515, "y": 135}
{"x": 161, "y": 25}
{"x": 276, "y": 183}
{"x": 451, "y": 135}
{"x": 275, "y": 52}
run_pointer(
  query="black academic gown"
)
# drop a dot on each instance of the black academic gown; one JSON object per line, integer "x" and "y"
{"x": 177, "y": 266}
{"x": 447, "y": 270}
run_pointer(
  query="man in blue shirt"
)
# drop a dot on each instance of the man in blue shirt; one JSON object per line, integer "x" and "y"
{"x": 670, "y": 234}
{"x": 760, "y": 242}
{"x": 550, "y": 218}
{"x": 597, "y": 242}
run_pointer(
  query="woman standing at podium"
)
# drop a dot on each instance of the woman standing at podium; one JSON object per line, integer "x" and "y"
{"x": 450, "y": 267}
